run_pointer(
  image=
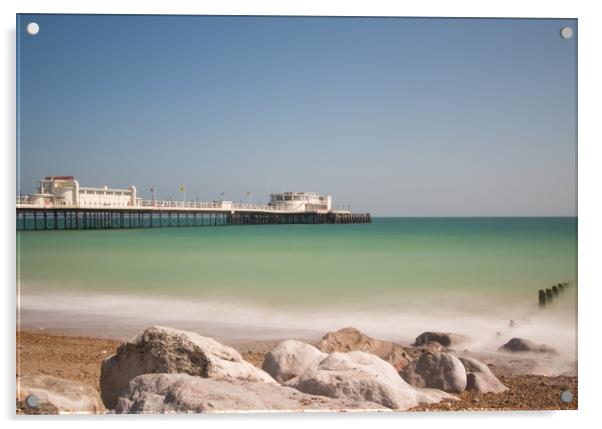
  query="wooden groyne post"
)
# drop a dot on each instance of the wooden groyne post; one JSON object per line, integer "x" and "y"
{"x": 542, "y": 298}
{"x": 548, "y": 295}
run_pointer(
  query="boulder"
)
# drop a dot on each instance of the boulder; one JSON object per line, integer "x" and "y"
{"x": 350, "y": 339}
{"x": 360, "y": 376}
{"x": 446, "y": 339}
{"x": 63, "y": 396}
{"x": 480, "y": 378}
{"x": 431, "y": 346}
{"x": 290, "y": 359}
{"x": 183, "y": 393}
{"x": 165, "y": 350}
{"x": 522, "y": 345}
{"x": 437, "y": 371}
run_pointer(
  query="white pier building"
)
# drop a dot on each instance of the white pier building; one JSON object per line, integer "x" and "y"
{"x": 65, "y": 191}
{"x": 301, "y": 202}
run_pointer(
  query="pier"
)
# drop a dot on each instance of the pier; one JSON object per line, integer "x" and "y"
{"x": 42, "y": 218}
{"x": 61, "y": 203}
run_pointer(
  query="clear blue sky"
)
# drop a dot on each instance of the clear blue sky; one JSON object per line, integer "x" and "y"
{"x": 396, "y": 116}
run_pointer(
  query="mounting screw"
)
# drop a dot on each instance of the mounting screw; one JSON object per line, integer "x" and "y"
{"x": 32, "y": 401}
{"x": 566, "y": 32}
{"x": 566, "y": 396}
{"x": 33, "y": 28}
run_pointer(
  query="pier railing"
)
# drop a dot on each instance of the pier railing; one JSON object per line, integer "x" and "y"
{"x": 241, "y": 206}
{"x": 23, "y": 201}
{"x": 182, "y": 204}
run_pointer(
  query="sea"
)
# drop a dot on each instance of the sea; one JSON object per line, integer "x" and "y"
{"x": 393, "y": 278}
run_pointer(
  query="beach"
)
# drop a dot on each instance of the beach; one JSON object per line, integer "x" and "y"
{"x": 79, "y": 359}
{"x": 83, "y": 293}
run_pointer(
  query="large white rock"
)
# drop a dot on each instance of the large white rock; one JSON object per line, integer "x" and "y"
{"x": 183, "y": 393}
{"x": 166, "y": 350}
{"x": 350, "y": 339}
{"x": 65, "y": 395}
{"x": 290, "y": 359}
{"x": 480, "y": 378}
{"x": 437, "y": 371}
{"x": 362, "y": 376}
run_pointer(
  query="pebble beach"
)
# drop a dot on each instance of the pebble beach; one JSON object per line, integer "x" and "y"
{"x": 79, "y": 359}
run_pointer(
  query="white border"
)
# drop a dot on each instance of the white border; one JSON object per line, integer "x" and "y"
{"x": 590, "y": 216}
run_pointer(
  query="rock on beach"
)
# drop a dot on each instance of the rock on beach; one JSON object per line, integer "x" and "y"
{"x": 522, "y": 345}
{"x": 166, "y": 350}
{"x": 350, "y": 339}
{"x": 290, "y": 359}
{"x": 65, "y": 396}
{"x": 183, "y": 393}
{"x": 361, "y": 376}
{"x": 480, "y": 378}
{"x": 437, "y": 370}
{"x": 445, "y": 339}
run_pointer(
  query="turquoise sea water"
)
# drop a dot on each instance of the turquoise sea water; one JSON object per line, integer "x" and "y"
{"x": 308, "y": 265}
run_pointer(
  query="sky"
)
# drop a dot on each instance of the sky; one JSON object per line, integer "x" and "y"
{"x": 392, "y": 116}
